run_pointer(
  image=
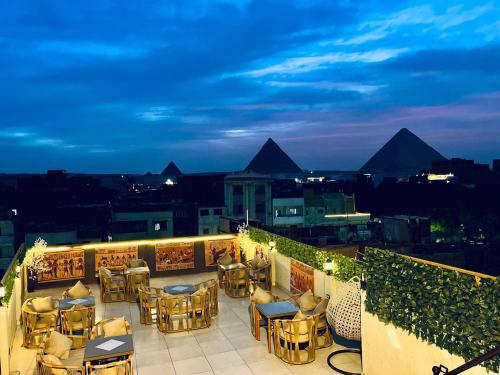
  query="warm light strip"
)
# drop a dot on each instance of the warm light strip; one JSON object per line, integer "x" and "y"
{"x": 106, "y": 245}
{"x": 357, "y": 214}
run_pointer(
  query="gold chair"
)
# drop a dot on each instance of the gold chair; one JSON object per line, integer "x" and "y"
{"x": 135, "y": 263}
{"x": 261, "y": 275}
{"x": 238, "y": 283}
{"x": 199, "y": 309}
{"x": 66, "y": 293}
{"x": 77, "y": 324}
{"x": 213, "y": 295}
{"x": 172, "y": 313}
{"x": 295, "y": 340}
{"x": 134, "y": 280}
{"x": 147, "y": 298}
{"x": 324, "y": 337}
{"x": 112, "y": 285}
{"x": 37, "y": 324}
{"x": 255, "y": 322}
{"x": 123, "y": 367}
{"x": 98, "y": 331}
{"x": 47, "y": 366}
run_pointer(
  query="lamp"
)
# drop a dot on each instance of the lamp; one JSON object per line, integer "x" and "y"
{"x": 18, "y": 270}
{"x": 2, "y": 293}
{"x": 272, "y": 244}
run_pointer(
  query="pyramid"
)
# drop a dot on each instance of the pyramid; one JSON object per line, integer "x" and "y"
{"x": 171, "y": 170}
{"x": 272, "y": 159}
{"x": 405, "y": 154}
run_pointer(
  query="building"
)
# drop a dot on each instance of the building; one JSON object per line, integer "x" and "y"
{"x": 209, "y": 219}
{"x": 406, "y": 229}
{"x": 248, "y": 195}
{"x": 141, "y": 221}
{"x": 288, "y": 212}
{"x": 7, "y": 240}
{"x": 51, "y": 234}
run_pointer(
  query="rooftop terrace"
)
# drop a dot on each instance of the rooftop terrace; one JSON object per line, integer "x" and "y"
{"x": 226, "y": 347}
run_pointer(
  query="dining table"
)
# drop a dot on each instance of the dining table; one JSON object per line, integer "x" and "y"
{"x": 271, "y": 311}
{"x": 108, "y": 349}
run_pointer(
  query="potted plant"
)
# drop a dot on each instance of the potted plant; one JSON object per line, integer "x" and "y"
{"x": 33, "y": 260}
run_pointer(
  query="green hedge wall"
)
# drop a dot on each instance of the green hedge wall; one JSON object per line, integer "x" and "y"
{"x": 439, "y": 306}
{"x": 9, "y": 283}
{"x": 345, "y": 268}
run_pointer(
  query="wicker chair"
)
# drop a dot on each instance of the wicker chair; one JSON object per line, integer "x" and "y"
{"x": 295, "y": 340}
{"x": 98, "y": 329}
{"x": 238, "y": 283}
{"x": 147, "y": 300}
{"x": 46, "y": 368}
{"x": 134, "y": 280}
{"x": 134, "y": 263}
{"x": 112, "y": 285}
{"x": 261, "y": 275}
{"x": 199, "y": 310}
{"x": 213, "y": 295}
{"x": 66, "y": 293}
{"x": 77, "y": 324}
{"x": 36, "y": 324}
{"x": 123, "y": 367}
{"x": 172, "y": 313}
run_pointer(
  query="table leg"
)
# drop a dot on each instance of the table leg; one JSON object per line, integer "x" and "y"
{"x": 256, "y": 324}
{"x": 269, "y": 330}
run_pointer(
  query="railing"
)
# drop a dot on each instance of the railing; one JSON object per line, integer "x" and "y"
{"x": 438, "y": 370}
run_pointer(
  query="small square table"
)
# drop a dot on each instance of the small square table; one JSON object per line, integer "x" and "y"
{"x": 180, "y": 289}
{"x": 221, "y": 271}
{"x": 68, "y": 303}
{"x": 98, "y": 356}
{"x": 274, "y": 310}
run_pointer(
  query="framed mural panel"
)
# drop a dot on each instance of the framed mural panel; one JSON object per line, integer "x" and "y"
{"x": 214, "y": 249}
{"x": 178, "y": 256}
{"x": 301, "y": 277}
{"x": 115, "y": 257}
{"x": 62, "y": 265}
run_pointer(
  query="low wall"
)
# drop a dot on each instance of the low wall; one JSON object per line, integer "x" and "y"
{"x": 390, "y": 350}
{"x": 9, "y": 317}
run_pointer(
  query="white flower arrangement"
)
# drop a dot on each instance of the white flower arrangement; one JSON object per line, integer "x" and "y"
{"x": 34, "y": 257}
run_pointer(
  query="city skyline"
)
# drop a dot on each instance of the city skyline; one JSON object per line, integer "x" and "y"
{"x": 123, "y": 87}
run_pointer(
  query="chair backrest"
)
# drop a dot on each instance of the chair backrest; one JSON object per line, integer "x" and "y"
{"x": 171, "y": 305}
{"x": 238, "y": 274}
{"x": 123, "y": 367}
{"x": 98, "y": 330}
{"x": 137, "y": 263}
{"x": 83, "y": 315}
{"x": 147, "y": 294}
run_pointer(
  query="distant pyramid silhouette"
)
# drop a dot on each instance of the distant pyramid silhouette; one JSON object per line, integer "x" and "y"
{"x": 171, "y": 170}
{"x": 405, "y": 154}
{"x": 272, "y": 159}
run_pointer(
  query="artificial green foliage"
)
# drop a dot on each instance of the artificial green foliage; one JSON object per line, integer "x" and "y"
{"x": 345, "y": 268}
{"x": 442, "y": 307}
{"x": 9, "y": 283}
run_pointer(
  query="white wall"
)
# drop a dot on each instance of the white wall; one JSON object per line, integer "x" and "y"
{"x": 390, "y": 350}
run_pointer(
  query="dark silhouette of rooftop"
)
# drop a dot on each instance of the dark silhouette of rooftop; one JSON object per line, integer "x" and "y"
{"x": 272, "y": 159}
{"x": 404, "y": 154}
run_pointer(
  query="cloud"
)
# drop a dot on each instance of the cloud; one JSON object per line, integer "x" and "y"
{"x": 91, "y": 49}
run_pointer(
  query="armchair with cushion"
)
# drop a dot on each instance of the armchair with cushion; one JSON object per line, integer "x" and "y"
{"x": 260, "y": 272}
{"x": 147, "y": 300}
{"x": 133, "y": 281}
{"x": 213, "y": 297}
{"x": 77, "y": 291}
{"x": 238, "y": 282}
{"x": 294, "y": 340}
{"x": 112, "y": 285}
{"x": 77, "y": 324}
{"x": 224, "y": 260}
{"x": 55, "y": 357}
{"x": 172, "y": 313}
{"x": 258, "y": 296}
{"x": 199, "y": 309}
{"x": 40, "y": 317}
{"x": 111, "y": 327}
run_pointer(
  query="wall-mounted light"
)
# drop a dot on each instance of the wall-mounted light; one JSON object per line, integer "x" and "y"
{"x": 18, "y": 270}
{"x": 2, "y": 293}
{"x": 272, "y": 244}
{"x": 328, "y": 266}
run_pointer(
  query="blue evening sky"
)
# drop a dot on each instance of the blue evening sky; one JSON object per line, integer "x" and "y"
{"x": 127, "y": 86}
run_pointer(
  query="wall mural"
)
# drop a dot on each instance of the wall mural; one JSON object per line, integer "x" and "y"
{"x": 62, "y": 265}
{"x": 115, "y": 257}
{"x": 216, "y": 248}
{"x": 174, "y": 256}
{"x": 301, "y": 277}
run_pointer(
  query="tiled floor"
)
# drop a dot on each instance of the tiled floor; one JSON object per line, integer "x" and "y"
{"x": 227, "y": 347}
